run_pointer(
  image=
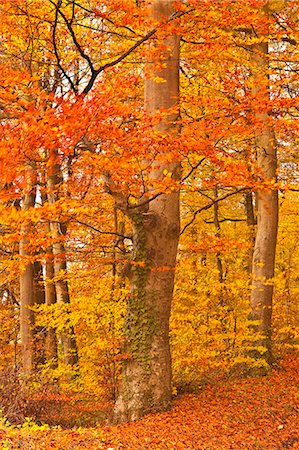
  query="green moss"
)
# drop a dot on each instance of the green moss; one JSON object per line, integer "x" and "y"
{"x": 140, "y": 321}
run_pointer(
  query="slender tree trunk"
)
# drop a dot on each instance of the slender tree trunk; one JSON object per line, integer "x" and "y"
{"x": 39, "y": 299}
{"x": 68, "y": 339}
{"x": 27, "y": 291}
{"x": 251, "y": 223}
{"x": 51, "y": 339}
{"x": 50, "y": 298}
{"x": 51, "y": 350}
{"x": 58, "y": 229}
{"x": 146, "y": 378}
{"x": 267, "y": 201}
{"x": 218, "y": 234}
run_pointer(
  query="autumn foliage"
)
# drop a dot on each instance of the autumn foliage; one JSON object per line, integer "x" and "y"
{"x": 120, "y": 120}
{"x": 224, "y": 414}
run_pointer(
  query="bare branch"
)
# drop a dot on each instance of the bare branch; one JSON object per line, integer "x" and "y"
{"x": 193, "y": 168}
{"x": 74, "y": 37}
{"x": 56, "y": 49}
{"x": 111, "y": 233}
{"x": 209, "y": 205}
{"x": 129, "y": 51}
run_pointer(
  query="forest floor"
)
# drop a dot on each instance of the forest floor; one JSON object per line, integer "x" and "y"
{"x": 247, "y": 413}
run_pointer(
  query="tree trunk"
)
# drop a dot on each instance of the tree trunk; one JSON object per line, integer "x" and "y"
{"x": 68, "y": 339}
{"x": 39, "y": 299}
{"x": 218, "y": 234}
{"x": 58, "y": 229}
{"x": 27, "y": 291}
{"x": 51, "y": 350}
{"x": 267, "y": 202}
{"x": 50, "y": 297}
{"x": 251, "y": 223}
{"x": 146, "y": 378}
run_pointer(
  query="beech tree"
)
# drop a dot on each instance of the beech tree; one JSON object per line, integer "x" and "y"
{"x": 146, "y": 377}
{"x": 263, "y": 260}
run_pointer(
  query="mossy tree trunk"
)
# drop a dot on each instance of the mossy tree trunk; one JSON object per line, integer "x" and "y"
{"x": 146, "y": 378}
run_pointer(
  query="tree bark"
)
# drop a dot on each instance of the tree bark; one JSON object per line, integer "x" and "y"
{"x": 218, "y": 234}
{"x": 39, "y": 299}
{"x": 146, "y": 378}
{"x": 267, "y": 203}
{"x": 51, "y": 349}
{"x": 251, "y": 223}
{"x": 27, "y": 285}
{"x": 58, "y": 229}
{"x": 50, "y": 298}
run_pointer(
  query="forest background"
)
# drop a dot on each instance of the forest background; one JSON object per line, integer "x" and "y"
{"x": 146, "y": 149}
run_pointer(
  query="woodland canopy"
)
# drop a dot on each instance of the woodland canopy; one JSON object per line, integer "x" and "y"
{"x": 148, "y": 201}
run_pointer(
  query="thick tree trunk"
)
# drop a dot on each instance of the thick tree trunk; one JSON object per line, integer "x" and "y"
{"x": 146, "y": 378}
{"x": 267, "y": 202}
{"x": 27, "y": 285}
{"x": 69, "y": 346}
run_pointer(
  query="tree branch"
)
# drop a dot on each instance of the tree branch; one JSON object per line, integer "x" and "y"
{"x": 209, "y": 205}
{"x": 56, "y": 49}
{"x": 116, "y": 61}
{"x": 112, "y": 233}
